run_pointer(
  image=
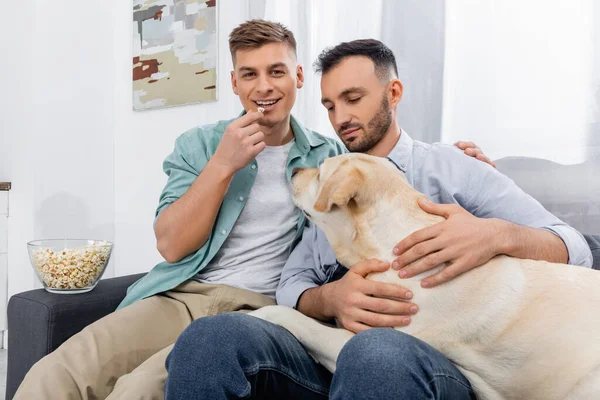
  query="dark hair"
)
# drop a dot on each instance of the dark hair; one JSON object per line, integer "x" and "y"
{"x": 379, "y": 53}
{"x": 258, "y": 32}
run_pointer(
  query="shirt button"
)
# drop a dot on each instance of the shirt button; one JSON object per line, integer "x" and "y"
{"x": 253, "y": 166}
{"x": 223, "y": 232}
{"x": 403, "y": 166}
{"x": 241, "y": 198}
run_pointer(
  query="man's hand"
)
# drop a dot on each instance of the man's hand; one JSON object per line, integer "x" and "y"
{"x": 358, "y": 305}
{"x": 471, "y": 149}
{"x": 241, "y": 142}
{"x": 462, "y": 240}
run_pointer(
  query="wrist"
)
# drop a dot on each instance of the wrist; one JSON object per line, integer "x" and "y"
{"x": 326, "y": 296}
{"x": 313, "y": 303}
{"x": 221, "y": 169}
{"x": 506, "y": 240}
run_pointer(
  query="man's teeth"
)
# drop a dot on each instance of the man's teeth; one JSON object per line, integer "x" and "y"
{"x": 266, "y": 103}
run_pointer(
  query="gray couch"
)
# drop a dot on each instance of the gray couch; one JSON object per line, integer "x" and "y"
{"x": 39, "y": 322}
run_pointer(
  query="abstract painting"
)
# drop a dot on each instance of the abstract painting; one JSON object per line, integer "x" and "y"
{"x": 174, "y": 52}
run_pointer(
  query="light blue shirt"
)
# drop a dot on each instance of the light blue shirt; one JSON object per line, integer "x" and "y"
{"x": 446, "y": 176}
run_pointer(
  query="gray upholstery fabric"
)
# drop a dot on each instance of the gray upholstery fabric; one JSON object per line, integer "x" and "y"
{"x": 571, "y": 192}
{"x": 39, "y": 322}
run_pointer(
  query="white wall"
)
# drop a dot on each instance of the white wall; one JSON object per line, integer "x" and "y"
{"x": 82, "y": 163}
{"x": 15, "y": 122}
{"x": 519, "y": 76}
{"x": 57, "y": 127}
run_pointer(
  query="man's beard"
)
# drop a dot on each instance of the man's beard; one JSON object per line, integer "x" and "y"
{"x": 374, "y": 132}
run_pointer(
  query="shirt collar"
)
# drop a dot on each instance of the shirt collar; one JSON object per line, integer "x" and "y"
{"x": 401, "y": 154}
{"x": 305, "y": 139}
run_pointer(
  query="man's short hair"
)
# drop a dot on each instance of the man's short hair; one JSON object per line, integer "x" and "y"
{"x": 257, "y": 33}
{"x": 379, "y": 53}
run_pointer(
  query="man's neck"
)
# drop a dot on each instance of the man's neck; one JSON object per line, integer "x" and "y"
{"x": 279, "y": 134}
{"x": 385, "y": 146}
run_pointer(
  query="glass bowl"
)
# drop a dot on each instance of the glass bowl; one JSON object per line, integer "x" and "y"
{"x": 69, "y": 266}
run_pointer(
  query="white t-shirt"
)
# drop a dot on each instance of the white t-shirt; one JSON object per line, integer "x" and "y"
{"x": 258, "y": 246}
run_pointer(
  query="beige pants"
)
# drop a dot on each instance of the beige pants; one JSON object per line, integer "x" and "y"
{"x": 122, "y": 356}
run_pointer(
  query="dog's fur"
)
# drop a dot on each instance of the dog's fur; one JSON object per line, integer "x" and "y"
{"x": 517, "y": 329}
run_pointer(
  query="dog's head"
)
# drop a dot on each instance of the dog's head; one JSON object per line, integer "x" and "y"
{"x": 346, "y": 196}
{"x": 339, "y": 183}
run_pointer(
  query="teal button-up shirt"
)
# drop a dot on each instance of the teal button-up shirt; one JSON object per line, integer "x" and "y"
{"x": 192, "y": 151}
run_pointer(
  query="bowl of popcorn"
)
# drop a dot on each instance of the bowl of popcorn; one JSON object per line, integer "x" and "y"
{"x": 69, "y": 266}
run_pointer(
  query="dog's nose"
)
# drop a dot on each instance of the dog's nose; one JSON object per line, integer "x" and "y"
{"x": 296, "y": 170}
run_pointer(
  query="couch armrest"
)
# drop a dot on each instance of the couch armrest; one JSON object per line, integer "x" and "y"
{"x": 39, "y": 322}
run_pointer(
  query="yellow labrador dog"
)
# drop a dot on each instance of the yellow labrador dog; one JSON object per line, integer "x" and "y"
{"x": 517, "y": 329}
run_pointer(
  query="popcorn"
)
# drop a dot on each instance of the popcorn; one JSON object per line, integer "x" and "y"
{"x": 71, "y": 268}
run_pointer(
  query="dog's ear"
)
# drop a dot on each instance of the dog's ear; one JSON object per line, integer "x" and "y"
{"x": 339, "y": 189}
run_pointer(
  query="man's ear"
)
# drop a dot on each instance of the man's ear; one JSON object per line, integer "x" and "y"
{"x": 234, "y": 83}
{"x": 395, "y": 92}
{"x": 339, "y": 189}
{"x": 299, "y": 77}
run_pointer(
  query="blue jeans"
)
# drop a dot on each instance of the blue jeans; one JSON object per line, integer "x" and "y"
{"x": 233, "y": 356}
{"x": 385, "y": 364}
{"x": 237, "y": 356}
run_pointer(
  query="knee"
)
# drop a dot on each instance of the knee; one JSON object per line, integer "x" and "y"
{"x": 380, "y": 349}
{"x": 219, "y": 332}
{"x": 212, "y": 339}
{"x": 47, "y": 369}
{"x": 136, "y": 385}
{"x": 48, "y": 376}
